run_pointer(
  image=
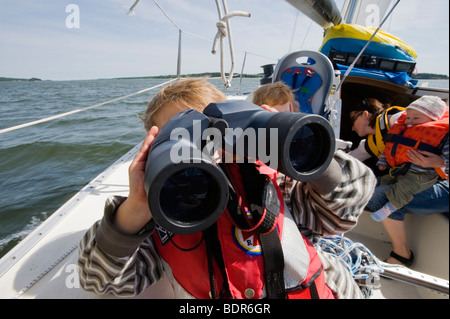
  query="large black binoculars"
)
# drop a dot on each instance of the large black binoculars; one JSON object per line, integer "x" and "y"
{"x": 188, "y": 191}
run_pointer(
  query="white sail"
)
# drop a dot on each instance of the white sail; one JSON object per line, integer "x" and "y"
{"x": 365, "y": 12}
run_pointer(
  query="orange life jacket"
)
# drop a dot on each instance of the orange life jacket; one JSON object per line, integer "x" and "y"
{"x": 426, "y": 137}
{"x": 375, "y": 142}
{"x": 239, "y": 270}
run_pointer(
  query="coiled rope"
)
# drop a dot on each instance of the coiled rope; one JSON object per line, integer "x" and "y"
{"x": 364, "y": 266}
{"x": 224, "y": 28}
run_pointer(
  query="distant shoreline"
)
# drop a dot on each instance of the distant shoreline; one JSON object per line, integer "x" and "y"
{"x": 430, "y": 76}
{"x": 3, "y": 79}
{"x": 419, "y": 76}
{"x": 170, "y": 76}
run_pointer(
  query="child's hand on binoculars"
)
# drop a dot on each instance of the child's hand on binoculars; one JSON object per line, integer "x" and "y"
{"x": 134, "y": 213}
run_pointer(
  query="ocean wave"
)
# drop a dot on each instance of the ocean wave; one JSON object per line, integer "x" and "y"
{"x": 12, "y": 239}
{"x": 44, "y": 165}
{"x": 41, "y": 177}
{"x": 31, "y": 154}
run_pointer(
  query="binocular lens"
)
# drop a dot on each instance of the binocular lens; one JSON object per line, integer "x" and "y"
{"x": 187, "y": 191}
{"x": 189, "y": 195}
{"x": 306, "y": 151}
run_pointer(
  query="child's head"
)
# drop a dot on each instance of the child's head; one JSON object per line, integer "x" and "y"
{"x": 425, "y": 109}
{"x": 190, "y": 93}
{"x": 277, "y": 95}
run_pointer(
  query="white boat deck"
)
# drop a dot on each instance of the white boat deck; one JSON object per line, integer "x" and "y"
{"x": 428, "y": 238}
{"x": 44, "y": 265}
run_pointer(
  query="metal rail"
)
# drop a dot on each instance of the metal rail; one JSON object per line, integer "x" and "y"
{"x": 416, "y": 278}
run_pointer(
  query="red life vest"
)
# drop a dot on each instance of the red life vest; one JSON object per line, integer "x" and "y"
{"x": 242, "y": 257}
{"x": 427, "y": 137}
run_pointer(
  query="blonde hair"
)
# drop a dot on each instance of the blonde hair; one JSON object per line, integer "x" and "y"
{"x": 273, "y": 94}
{"x": 188, "y": 93}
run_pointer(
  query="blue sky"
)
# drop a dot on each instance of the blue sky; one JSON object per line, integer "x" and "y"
{"x": 35, "y": 41}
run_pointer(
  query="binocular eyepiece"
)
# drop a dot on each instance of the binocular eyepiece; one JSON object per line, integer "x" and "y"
{"x": 188, "y": 191}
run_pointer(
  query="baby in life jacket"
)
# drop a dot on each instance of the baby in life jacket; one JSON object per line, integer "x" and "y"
{"x": 424, "y": 126}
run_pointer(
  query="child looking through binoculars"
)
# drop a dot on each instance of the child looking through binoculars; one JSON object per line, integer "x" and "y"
{"x": 127, "y": 251}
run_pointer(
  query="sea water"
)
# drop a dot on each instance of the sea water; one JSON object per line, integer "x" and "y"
{"x": 43, "y": 166}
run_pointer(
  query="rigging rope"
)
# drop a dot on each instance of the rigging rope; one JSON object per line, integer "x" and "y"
{"x": 130, "y": 9}
{"x": 176, "y": 26}
{"x": 13, "y": 128}
{"x": 224, "y": 27}
{"x": 331, "y": 106}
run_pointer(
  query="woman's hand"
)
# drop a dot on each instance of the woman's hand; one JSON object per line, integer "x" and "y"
{"x": 425, "y": 159}
{"x": 134, "y": 213}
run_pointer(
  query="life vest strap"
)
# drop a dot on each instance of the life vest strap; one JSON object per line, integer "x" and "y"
{"x": 421, "y": 146}
{"x": 265, "y": 207}
{"x": 214, "y": 252}
{"x": 399, "y": 170}
{"x": 262, "y": 200}
{"x": 273, "y": 265}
